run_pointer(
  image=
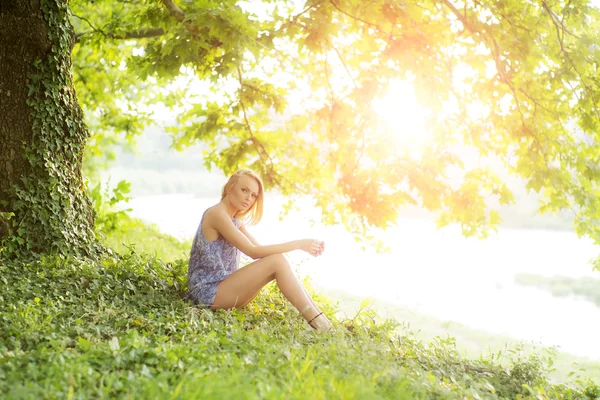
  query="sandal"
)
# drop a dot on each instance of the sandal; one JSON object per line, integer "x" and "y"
{"x": 321, "y": 325}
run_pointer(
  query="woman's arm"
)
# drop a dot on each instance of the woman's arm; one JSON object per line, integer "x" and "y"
{"x": 222, "y": 223}
{"x": 249, "y": 236}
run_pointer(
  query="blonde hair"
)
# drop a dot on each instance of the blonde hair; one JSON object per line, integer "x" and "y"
{"x": 256, "y": 211}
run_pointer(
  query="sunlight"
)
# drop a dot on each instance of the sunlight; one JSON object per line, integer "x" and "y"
{"x": 402, "y": 120}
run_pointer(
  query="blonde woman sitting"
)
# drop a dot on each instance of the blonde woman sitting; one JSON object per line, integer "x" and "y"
{"x": 214, "y": 277}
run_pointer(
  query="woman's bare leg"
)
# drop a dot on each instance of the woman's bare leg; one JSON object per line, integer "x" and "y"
{"x": 312, "y": 302}
{"x": 239, "y": 288}
{"x": 313, "y": 305}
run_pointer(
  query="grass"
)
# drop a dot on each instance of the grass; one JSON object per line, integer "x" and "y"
{"x": 469, "y": 342}
{"x": 141, "y": 237}
{"x": 120, "y": 328}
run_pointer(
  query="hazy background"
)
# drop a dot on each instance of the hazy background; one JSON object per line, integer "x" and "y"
{"x": 437, "y": 280}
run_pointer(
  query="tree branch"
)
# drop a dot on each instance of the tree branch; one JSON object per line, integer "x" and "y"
{"x": 294, "y": 19}
{"x": 141, "y": 33}
{"x": 557, "y": 20}
{"x": 87, "y": 21}
{"x": 174, "y": 10}
{"x": 502, "y": 72}
{"x": 138, "y": 34}
{"x": 473, "y": 29}
{"x": 260, "y": 148}
{"x": 562, "y": 29}
{"x": 337, "y": 7}
{"x": 331, "y": 96}
{"x": 180, "y": 16}
{"x": 507, "y": 80}
{"x": 345, "y": 66}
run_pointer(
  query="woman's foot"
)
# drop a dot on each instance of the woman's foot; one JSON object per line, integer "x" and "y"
{"x": 320, "y": 323}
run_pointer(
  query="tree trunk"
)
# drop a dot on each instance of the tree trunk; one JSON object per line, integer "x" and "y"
{"x": 42, "y": 134}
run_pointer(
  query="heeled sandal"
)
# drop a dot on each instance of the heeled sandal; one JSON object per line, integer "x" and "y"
{"x": 325, "y": 325}
{"x": 315, "y": 317}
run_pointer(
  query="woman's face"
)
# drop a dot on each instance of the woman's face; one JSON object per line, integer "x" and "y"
{"x": 244, "y": 193}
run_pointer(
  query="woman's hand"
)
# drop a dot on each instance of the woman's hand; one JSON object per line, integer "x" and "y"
{"x": 313, "y": 247}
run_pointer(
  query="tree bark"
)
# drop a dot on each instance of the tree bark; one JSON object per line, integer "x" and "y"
{"x": 42, "y": 133}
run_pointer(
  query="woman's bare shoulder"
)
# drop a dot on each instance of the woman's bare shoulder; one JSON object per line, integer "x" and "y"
{"x": 214, "y": 214}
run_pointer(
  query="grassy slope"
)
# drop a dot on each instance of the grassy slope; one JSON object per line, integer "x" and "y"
{"x": 120, "y": 329}
{"x": 469, "y": 342}
{"x": 138, "y": 236}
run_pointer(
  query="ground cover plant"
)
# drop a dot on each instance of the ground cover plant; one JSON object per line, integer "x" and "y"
{"x": 121, "y": 328}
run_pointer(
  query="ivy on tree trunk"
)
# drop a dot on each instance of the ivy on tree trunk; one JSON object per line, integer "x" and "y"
{"x": 43, "y": 204}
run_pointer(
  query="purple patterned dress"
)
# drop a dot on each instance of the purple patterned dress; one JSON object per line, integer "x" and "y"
{"x": 210, "y": 263}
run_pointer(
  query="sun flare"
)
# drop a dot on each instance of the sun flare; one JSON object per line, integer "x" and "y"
{"x": 402, "y": 119}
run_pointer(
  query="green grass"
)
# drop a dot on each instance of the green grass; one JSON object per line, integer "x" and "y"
{"x": 120, "y": 328}
{"x": 587, "y": 288}
{"x": 469, "y": 342}
{"x": 135, "y": 235}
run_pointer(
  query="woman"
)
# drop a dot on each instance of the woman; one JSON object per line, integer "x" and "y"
{"x": 214, "y": 277}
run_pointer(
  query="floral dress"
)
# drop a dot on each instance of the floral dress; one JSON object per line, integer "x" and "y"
{"x": 210, "y": 263}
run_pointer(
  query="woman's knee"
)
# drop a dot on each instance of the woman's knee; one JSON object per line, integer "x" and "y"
{"x": 279, "y": 261}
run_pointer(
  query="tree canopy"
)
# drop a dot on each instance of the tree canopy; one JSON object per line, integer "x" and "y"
{"x": 291, "y": 89}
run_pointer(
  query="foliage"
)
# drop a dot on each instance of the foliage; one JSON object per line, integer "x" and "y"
{"x": 112, "y": 98}
{"x": 120, "y": 328}
{"x": 588, "y": 288}
{"x": 470, "y": 342}
{"x": 152, "y": 241}
{"x": 283, "y": 86}
{"x": 110, "y": 216}
{"x": 122, "y": 233}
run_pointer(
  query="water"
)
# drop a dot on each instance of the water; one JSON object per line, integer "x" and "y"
{"x": 434, "y": 272}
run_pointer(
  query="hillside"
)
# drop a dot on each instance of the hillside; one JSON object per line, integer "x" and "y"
{"x": 120, "y": 328}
